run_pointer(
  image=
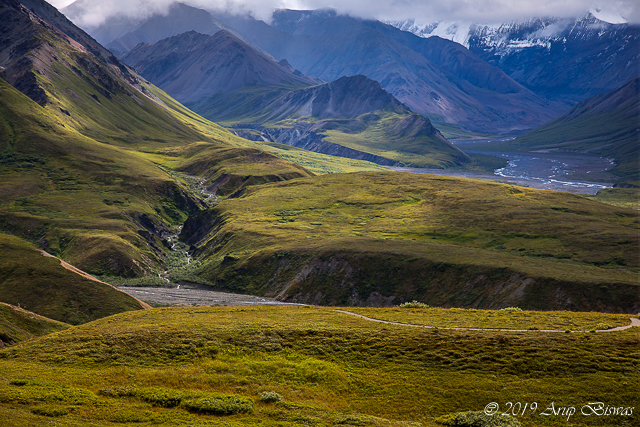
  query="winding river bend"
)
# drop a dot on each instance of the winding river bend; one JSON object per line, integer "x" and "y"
{"x": 544, "y": 170}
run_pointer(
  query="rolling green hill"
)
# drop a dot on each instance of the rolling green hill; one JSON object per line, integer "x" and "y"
{"x": 18, "y": 324}
{"x": 40, "y": 284}
{"x": 210, "y": 366}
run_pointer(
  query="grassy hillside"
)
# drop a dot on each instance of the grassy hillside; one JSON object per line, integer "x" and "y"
{"x": 41, "y": 285}
{"x": 18, "y": 324}
{"x": 189, "y": 366}
{"x": 377, "y": 238}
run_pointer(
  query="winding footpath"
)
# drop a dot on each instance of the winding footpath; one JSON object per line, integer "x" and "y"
{"x": 634, "y": 323}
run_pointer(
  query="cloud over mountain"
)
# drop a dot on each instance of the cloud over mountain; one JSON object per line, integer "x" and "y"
{"x": 94, "y": 12}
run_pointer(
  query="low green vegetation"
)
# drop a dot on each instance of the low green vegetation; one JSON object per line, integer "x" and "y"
{"x": 477, "y": 419}
{"x": 496, "y": 319}
{"x": 207, "y": 366}
{"x": 414, "y": 304}
{"x": 623, "y": 197}
{"x": 439, "y": 240}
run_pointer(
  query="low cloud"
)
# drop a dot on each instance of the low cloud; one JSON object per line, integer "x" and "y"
{"x": 91, "y": 13}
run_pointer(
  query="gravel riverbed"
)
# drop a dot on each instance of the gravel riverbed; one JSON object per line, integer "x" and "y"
{"x": 185, "y": 296}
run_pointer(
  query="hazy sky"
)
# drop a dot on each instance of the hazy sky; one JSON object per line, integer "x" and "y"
{"x": 423, "y": 11}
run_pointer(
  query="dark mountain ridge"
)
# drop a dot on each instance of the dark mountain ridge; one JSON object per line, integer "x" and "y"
{"x": 192, "y": 66}
{"x": 329, "y": 46}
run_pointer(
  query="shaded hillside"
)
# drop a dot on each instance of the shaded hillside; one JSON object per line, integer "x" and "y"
{"x": 18, "y": 324}
{"x": 193, "y": 67}
{"x": 605, "y": 125}
{"x": 42, "y": 285}
{"x": 385, "y": 238}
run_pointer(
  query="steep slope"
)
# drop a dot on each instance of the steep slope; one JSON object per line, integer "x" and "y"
{"x": 351, "y": 117}
{"x": 85, "y": 162}
{"x": 606, "y": 125}
{"x": 567, "y": 59}
{"x": 193, "y": 67}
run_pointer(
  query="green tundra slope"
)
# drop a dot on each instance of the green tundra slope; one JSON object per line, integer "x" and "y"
{"x": 40, "y": 284}
{"x": 18, "y": 324}
{"x": 209, "y": 366}
{"x": 383, "y": 238}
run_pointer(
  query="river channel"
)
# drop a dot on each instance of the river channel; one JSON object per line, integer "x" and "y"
{"x": 548, "y": 170}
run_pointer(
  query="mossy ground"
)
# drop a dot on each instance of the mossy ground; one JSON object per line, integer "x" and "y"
{"x": 330, "y": 368}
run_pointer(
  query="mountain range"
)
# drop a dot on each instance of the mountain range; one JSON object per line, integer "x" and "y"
{"x": 566, "y": 59}
{"x": 439, "y": 79}
{"x": 228, "y": 81}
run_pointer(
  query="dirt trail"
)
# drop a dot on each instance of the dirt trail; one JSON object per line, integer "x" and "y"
{"x": 89, "y": 277}
{"x": 634, "y": 323}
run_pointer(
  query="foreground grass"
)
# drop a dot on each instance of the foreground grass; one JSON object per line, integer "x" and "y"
{"x": 330, "y": 368}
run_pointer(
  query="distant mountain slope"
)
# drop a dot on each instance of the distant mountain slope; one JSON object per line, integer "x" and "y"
{"x": 451, "y": 84}
{"x": 226, "y": 80}
{"x": 328, "y": 46}
{"x": 124, "y": 33}
{"x": 567, "y": 59}
{"x": 606, "y": 124}
{"x": 192, "y": 66}
{"x": 353, "y": 117}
